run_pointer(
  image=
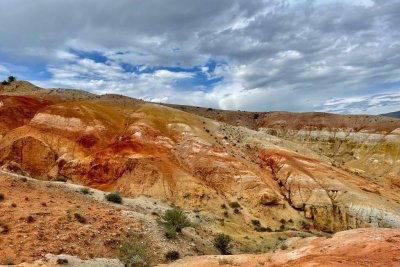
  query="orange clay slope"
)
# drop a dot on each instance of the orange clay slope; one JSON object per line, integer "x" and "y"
{"x": 115, "y": 143}
{"x": 354, "y": 248}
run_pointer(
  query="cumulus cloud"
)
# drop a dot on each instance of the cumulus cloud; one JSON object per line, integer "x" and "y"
{"x": 3, "y": 70}
{"x": 269, "y": 55}
{"x": 377, "y": 103}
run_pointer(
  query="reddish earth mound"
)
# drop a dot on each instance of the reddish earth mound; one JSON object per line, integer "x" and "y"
{"x": 36, "y": 220}
{"x": 360, "y": 247}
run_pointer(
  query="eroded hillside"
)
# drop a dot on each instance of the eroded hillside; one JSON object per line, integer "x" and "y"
{"x": 297, "y": 175}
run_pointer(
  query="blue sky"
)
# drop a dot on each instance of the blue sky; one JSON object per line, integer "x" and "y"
{"x": 327, "y": 55}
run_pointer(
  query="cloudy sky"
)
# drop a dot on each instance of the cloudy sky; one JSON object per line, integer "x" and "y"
{"x": 258, "y": 55}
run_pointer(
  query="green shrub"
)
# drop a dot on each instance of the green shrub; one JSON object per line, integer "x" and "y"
{"x": 222, "y": 243}
{"x": 11, "y": 79}
{"x": 175, "y": 219}
{"x": 256, "y": 223}
{"x": 5, "y": 82}
{"x": 132, "y": 252}
{"x": 84, "y": 190}
{"x": 114, "y": 197}
{"x": 172, "y": 255}
{"x": 169, "y": 231}
{"x": 62, "y": 261}
{"x": 234, "y": 205}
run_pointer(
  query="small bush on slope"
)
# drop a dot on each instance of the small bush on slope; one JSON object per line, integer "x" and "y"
{"x": 172, "y": 255}
{"x": 174, "y": 220}
{"x": 132, "y": 252}
{"x": 114, "y": 197}
{"x": 222, "y": 243}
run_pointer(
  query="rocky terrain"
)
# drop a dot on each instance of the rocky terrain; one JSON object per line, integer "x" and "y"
{"x": 267, "y": 180}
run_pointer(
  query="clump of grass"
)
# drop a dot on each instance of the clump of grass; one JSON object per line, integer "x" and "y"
{"x": 256, "y": 223}
{"x": 172, "y": 255}
{"x": 174, "y": 220}
{"x": 234, "y": 205}
{"x": 62, "y": 261}
{"x": 84, "y": 190}
{"x": 132, "y": 252}
{"x": 258, "y": 227}
{"x": 114, "y": 197}
{"x": 222, "y": 243}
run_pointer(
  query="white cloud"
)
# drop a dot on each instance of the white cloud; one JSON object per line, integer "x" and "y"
{"x": 277, "y": 55}
{"x": 3, "y": 70}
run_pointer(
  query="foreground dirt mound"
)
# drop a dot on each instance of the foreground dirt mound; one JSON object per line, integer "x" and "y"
{"x": 36, "y": 220}
{"x": 360, "y": 247}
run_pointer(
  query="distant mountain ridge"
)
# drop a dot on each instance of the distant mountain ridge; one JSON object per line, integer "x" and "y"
{"x": 395, "y": 114}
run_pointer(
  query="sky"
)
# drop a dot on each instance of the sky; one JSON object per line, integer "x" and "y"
{"x": 257, "y": 55}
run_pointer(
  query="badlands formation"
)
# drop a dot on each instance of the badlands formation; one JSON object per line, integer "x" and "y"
{"x": 290, "y": 189}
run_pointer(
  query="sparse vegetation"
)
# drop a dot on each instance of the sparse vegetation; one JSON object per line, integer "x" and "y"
{"x": 234, "y": 205}
{"x": 84, "y": 190}
{"x": 258, "y": 227}
{"x": 114, "y": 197}
{"x": 172, "y": 255}
{"x": 222, "y": 243}
{"x": 225, "y": 261}
{"x": 80, "y": 218}
{"x": 9, "y": 80}
{"x": 169, "y": 231}
{"x": 62, "y": 261}
{"x": 30, "y": 219}
{"x": 133, "y": 252}
{"x": 9, "y": 262}
{"x": 256, "y": 223}
{"x": 174, "y": 220}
